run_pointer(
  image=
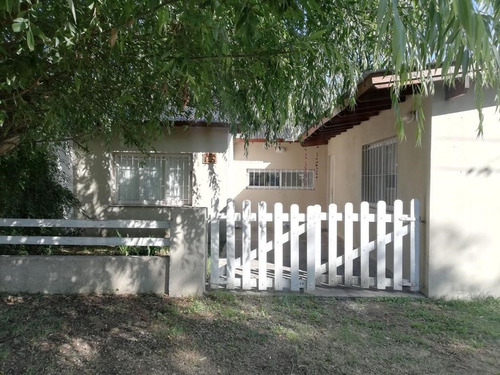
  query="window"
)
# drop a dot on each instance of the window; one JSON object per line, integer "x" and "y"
{"x": 153, "y": 180}
{"x": 280, "y": 179}
{"x": 379, "y": 177}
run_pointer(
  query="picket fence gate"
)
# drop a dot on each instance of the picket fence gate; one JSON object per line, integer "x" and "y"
{"x": 251, "y": 270}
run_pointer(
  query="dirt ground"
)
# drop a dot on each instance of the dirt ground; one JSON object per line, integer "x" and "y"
{"x": 228, "y": 333}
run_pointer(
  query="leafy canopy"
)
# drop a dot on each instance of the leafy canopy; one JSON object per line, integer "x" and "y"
{"x": 77, "y": 69}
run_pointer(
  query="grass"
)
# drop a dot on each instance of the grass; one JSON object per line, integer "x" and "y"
{"x": 228, "y": 333}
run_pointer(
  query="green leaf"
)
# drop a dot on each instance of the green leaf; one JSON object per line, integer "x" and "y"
{"x": 78, "y": 83}
{"x": 30, "y": 39}
{"x": 398, "y": 38}
{"x": 382, "y": 11}
{"x": 464, "y": 12}
{"x": 316, "y": 34}
{"x": 38, "y": 33}
{"x": 72, "y": 7}
{"x": 19, "y": 24}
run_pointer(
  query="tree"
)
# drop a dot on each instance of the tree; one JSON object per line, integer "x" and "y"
{"x": 78, "y": 69}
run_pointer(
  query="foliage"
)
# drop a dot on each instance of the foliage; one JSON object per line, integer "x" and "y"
{"x": 78, "y": 69}
{"x": 30, "y": 188}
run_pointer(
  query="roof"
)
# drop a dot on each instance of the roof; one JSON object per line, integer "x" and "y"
{"x": 373, "y": 96}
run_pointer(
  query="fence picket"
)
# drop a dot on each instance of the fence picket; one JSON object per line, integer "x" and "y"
{"x": 278, "y": 246}
{"x": 230, "y": 244}
{"x": 332, "y": 244}
{"x": 317, "y": 243}
{"x": 246, "y": 245}
{"x": 348, "y": 243}
{"x": 214, "y": 245}
{"x": 364, "y": 233}
{"x": 311, "y": 248}
{"x": 415, "y": 245}
{"x": 381, "y": 244}
{"x": 294, "y": 247}
{"x": 262, "y": 238}
{"x": 398, "y": 245}
{"x": 258, "y": 275}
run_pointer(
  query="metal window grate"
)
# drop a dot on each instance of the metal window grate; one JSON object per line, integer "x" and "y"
{"x": 379, "y": 172}
{"x": 280, "y": 179}
{"x": 153, "y": 180}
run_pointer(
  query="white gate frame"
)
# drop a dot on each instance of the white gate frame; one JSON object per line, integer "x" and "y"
{"x": 295, "y": 279}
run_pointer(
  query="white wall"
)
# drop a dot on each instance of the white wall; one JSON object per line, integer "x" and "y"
{"x": 464, "y": 221}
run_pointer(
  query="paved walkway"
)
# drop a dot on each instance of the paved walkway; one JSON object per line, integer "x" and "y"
{"x": 339, "y": 292}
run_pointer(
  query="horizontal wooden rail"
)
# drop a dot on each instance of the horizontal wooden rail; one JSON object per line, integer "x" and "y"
{"x": 84, "y": 241}
{"x": 100, "y": 224}
{"x": 85, "y": 224}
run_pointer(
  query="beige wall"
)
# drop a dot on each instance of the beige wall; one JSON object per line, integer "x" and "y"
{"x": 412, "y": 164}
{"x": 464, "y": 222}
{"x": 93, "y": 180}
{"x": 455, "y": 175}
{"x": 294, "y": 157}
{"x": 411, "y": 159}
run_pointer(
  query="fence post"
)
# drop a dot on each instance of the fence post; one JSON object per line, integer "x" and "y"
{"x": 398, "y": 245}
{"x": 311, "y": 248}
{"x": 415, "y": 245}
{"x": 348, "y": 243}
{"x": 332, "y": 244}
{"x": 214, "y": 245}
{"x": 381, "y": 244}
{"x": 262, "y": 236}
{"x": 294, "y": 247}
{"x": 364, "y": 233}
{"x": 246, "y": 245}
{"x": 230, "y": 244}
{"x": 278, "y": 246}
{"x": 188, "y": 241}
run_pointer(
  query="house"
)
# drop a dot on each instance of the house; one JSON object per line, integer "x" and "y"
{"x": 454, "y": 173}
{"x": 189, "y": 168}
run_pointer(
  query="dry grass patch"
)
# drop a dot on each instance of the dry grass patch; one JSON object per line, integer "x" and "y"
{"x": 225, "y": 333}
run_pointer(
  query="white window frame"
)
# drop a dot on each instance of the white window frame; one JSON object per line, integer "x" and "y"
{"x": 281, "y": 179}
{"x": 379, "y": 172}
{"x": 168, "y": 194}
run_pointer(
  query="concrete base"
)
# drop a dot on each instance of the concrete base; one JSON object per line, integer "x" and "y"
{"x": 83, "y": 274}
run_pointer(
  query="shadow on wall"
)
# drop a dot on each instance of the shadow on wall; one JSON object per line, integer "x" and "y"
{"x": 185, "y": 274}
{"x": 462, "y": 265}
{"x": 188, "y": 243}
{"x": 83, "y": 274}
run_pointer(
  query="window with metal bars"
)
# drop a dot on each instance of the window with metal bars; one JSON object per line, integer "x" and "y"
{"x": 280, "y": 179}
{"x": 379, "y": 172}
{"x": 159, "y": 179}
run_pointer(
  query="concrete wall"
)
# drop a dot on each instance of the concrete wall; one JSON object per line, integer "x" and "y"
{"x": 183, "y": 273}
{"x": 83, "y": 274}
{"x": 294, "y": 157}
{"x": 412, "y": 166}
{"x": 93, "y": 177}
{"x": 464, "y": 199}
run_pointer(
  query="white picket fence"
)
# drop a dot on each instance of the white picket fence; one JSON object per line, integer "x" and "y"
{"x": 252, "y": 269}
{"x": 84, "y": 224}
